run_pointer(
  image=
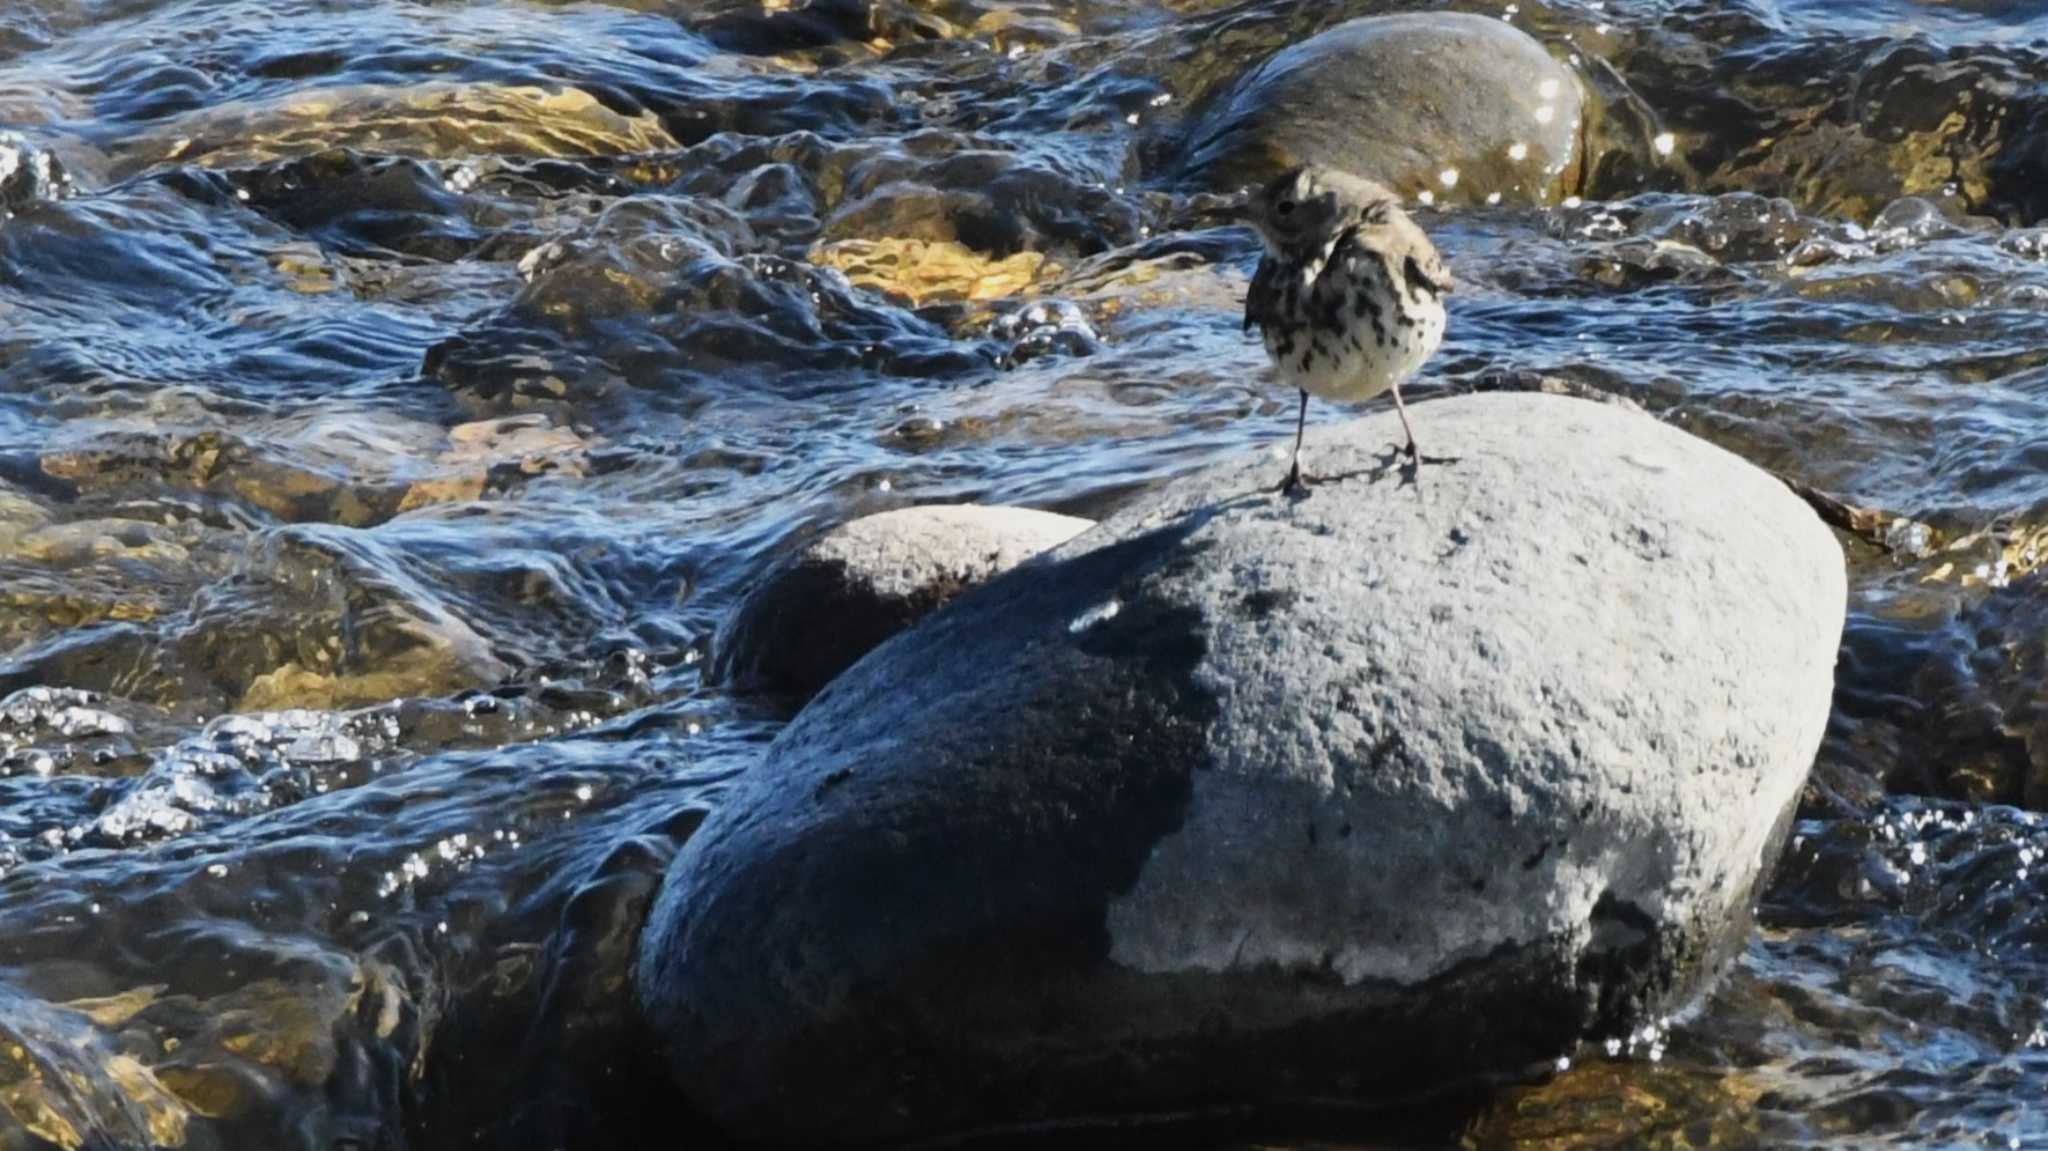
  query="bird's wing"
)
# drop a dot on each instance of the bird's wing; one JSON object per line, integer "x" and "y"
{"x": 1419, "y": 261}
{"x": 1258, "y": 302}
{"x": 1346, "y": 254}
{"x": 1426, "y": 273}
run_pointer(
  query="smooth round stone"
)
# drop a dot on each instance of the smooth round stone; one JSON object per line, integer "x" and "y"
{"x": 864, "y": 581}
{"x": 1237, "y": 798}
{"x": 1441, "y": 107}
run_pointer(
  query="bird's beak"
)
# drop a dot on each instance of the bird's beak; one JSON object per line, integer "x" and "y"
{"x": 1219, "y": 209}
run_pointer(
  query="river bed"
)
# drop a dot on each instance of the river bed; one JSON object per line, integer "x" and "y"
{"x": 394, "y": 398}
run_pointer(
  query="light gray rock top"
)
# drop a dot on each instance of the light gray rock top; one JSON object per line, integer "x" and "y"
{"x": 1587, "y": 607}
{"x": 906, "y": 551}
{"x": 813, "y": 615}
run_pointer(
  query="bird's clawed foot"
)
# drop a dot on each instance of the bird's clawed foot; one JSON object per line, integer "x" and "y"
{"x": 1412, "y": 459}
{"x": 1295, "y": 486}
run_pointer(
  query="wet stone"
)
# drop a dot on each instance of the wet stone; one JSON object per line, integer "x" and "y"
{"x": 1602, "y": 1105}
{"x": 495, "y": 456}
{"x": 28, "y": 175}
{"x": 669, "y": 311}
{"x": 1044, "y": 328}
{"x": 1982, "y": 735}
{"x": 366, "y": 205}
{"x": 1440, "y": 107}
{"x": 155, "y": 1065}
{"x": 931, "y": 271}
{"x": 424, "y": 121}
{"x": 1238, "y": 798}
{"x": 300, "y": 618}
{"x": 64, "y": 1083}
{"x": 1910, "y": 116}
{"x": 946, "y": 189}
{"x": 291, "y": 482}
{"x": 828, "y": 605}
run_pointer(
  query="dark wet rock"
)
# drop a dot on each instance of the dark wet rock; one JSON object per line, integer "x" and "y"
{"x": 673, "y": 309}
{"x": 783, "y": 185}
{"x": 1622, "y": 1105}
{"x": 1920, "y": 120}
{"x": 295, "y": 618}
{"x": 71, "y": 1084}
{"x": 1242, "y": 798}
{"x": 854, "y": 24}
{"x": 862, "y": 582}
{"x": 1735, "y": 104}
{"x": 47, "y": 731}
{"x": 1527, "y": 381}
{"x": 1983, "y": 732}
{"x": 934, "y": 185}
{"x": 365, "y": 205}
{"x": 283, "y": 481}
{"x": 994, "y": 202}
{"x": 934, "y": 272}
{"x": 594, "y": 1082}
{"x": 97, "y": 1071}
{"x": 28, "y": 175}
{"x": 1044, "y": 328}
{"x": 1454, "y": 107}
{"x": 323, "y": 619}
{"x": 424, "y": 121}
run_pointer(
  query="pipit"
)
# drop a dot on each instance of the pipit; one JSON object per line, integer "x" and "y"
{"x": 1349, "y": 295}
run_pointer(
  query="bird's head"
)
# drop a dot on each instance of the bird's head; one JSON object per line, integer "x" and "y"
{"x": 1303, "y": 206}
{"x": 1296, "y": 204}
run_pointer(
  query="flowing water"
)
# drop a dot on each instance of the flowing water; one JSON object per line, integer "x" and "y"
{"x": 395, "y": 396}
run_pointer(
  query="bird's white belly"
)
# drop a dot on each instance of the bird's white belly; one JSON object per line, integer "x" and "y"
{"x": 1354, "y": 367}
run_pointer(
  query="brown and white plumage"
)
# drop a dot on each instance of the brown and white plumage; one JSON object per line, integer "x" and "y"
{"x": 1349, "y": 295}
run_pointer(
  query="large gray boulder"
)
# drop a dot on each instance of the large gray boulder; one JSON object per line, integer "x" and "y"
{"x": 1459, "y": 107}
{"x": 811, "y": 616}
{"x": 1240, "y": 798}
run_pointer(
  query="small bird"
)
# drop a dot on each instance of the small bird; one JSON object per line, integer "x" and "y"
{"x": 1349, "y": 297}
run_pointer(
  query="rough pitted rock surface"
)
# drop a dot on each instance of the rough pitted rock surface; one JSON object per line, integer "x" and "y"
{"x": 1243, "y": 798}
{"x": 868, "y": 579}
{"x": 1405, "y": 99}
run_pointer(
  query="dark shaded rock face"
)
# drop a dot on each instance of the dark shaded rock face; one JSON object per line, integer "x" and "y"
{"x": 1238, "y": 798}
{"x": 864, "y": 581}
{"x": 1442, "y": 106}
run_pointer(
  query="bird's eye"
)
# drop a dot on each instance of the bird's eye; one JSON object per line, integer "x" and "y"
{"x": 1285, "y": 208}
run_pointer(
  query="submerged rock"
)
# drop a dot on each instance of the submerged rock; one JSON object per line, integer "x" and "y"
{"x": 864, "y": 581}
{"x": 1238, "y": 798}
{"x": 1982, "y": 733}
{"x": 937, "y": 271}
{"x": 28, "y": 174}
{"x": 674, "y": 300}
{"x": 1440, "y": 106}
{"x": 193, "y": 1063}
{"x": 425, "y": 121}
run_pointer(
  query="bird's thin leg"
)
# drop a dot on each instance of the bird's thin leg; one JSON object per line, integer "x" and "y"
{"x": 1293, "y": 480}
{"x": 1414, "y": 453}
